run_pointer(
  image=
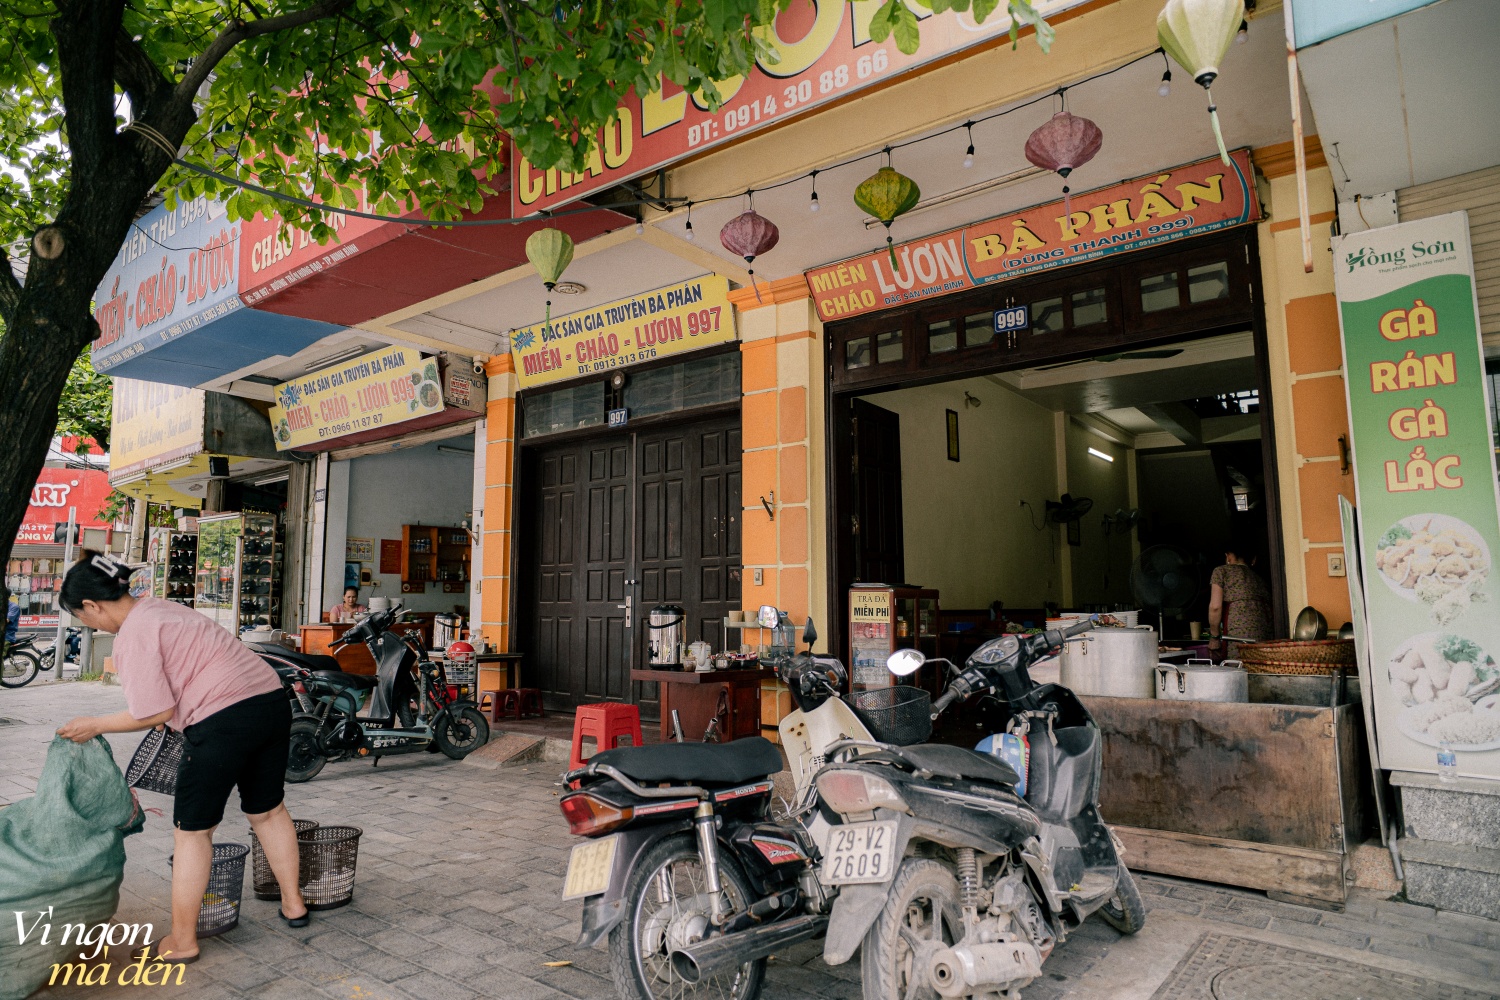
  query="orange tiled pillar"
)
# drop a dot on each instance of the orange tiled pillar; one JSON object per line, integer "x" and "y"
{"x": 499, "y": 503}
{"x": 1307, "y": 377}
{"x": 781, "y": 351}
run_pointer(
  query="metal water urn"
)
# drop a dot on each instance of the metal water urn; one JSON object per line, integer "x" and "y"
{"x": 665, "y": 634}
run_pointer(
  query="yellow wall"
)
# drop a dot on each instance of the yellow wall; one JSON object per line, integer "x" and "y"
{"x": 965, "y": 530}
{"x": 1101, "y": 566}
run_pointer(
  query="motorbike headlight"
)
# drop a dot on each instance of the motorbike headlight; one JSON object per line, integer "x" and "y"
{"x": 849, "y": 792}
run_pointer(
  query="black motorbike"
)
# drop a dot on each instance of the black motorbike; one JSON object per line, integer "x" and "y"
{"x": 405, "y": 708}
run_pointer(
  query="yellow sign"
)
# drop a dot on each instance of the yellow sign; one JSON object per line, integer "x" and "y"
{"x": 378, "y": 389}
{"x": 151, "y": 424}
{"x": 869, "y": 605}
{"x": 667, "y": 321}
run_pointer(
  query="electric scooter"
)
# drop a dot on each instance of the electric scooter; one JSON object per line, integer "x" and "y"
{"x": 407, "y": 705}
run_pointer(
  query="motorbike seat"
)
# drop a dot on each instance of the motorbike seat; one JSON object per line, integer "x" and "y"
{"x": 696, "y": 763}
{"x": 308, "y": 661}
{"x": 358, "y": 682}
{"x": 951, "y": 762}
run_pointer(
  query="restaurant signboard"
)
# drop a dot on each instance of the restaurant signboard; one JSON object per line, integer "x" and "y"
{"x": 152, "y": 424}
{"x": 656, "y": 324}
{"x": 370, "y": 392}
{"x": 1424, "y": 464}
{"x": 818, "y": 51}
{"x": 1158, "y": 208}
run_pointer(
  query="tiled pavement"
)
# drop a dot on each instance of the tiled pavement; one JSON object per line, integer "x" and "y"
{"x": 460, "y": 871}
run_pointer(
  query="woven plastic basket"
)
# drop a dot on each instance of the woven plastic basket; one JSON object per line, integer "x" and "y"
{"x": 153, "y": 768}
{"x": 899, "y": 715}
{"x": 262, "y": 879}
{"x": 1291, "y": 656}
{"x": 220, "y": 911}
{"x": 329, "y": 857}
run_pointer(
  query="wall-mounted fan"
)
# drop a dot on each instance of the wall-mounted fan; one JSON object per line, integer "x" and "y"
{"x": 1069, "y": 511}
{"x": 1166, "y": 352}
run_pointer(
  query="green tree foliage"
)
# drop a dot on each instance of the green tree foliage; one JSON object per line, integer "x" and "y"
{"x": 84, "y": 408}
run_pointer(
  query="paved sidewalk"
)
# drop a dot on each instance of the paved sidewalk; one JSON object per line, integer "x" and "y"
{"x": 461, "y": 868}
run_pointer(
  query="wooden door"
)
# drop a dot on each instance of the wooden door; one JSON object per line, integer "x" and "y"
{"x": 875, "y": 525}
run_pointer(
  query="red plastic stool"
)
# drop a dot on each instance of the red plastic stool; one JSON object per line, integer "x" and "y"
{"x": 529, "y": 703}
{"x": 502, "y": 703}
{"x": 605, "y": 722}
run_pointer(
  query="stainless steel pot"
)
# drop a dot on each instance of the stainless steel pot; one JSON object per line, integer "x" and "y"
{"x": 1112, "y": 662}
{"x": 1202, "y": 680}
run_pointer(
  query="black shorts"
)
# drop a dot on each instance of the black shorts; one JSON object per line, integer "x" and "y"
{"x": 244, "y": 746}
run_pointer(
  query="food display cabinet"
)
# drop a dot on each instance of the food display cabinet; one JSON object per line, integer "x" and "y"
{"x": 237, "y": 582}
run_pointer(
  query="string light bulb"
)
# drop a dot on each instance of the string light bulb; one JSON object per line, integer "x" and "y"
{"x": 969, "y": 153}
{"x": 1166, "y": 78}
{"x": 640, "y": 227}
{"x": 813, "y": 206}
{"x": 689, "y": 234}
{"x": 1243, "y": 35}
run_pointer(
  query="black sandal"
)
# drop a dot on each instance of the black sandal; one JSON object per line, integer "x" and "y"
{"x": 301, "y": 921}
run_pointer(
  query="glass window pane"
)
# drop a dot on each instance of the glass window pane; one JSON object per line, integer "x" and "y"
{"x": 888, "y": 346}
{"x": 564, "y": 409}
{"x": 1089, "y": 307}
{"x": 979, "y": 328}
{"x": 700, "y": 382}
{"x": 857, "y": 353}
{"x": 942, "y": 336}
{"x": 1208, "y": 282}
{"x": 1047, "y": 316}
{"x": 1159, "y": 292}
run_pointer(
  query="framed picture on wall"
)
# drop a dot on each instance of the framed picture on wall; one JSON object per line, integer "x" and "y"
{"x": 952, "y": 435}
{"x": 351, "y": 574}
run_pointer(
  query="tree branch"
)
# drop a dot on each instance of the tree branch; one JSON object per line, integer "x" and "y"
{"x": 137, "y": 75}
{"x": 239, "y": 31}
{"x": 10, "y": 289}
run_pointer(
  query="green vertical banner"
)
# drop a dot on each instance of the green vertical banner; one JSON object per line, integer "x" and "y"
{"x": 1424, "y": 465}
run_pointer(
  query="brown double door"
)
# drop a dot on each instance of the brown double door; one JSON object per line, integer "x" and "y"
{"x": 613, "y": 526}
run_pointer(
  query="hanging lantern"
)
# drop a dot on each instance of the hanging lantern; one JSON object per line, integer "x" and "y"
{"x": 1197, "y": 33}
{"x": 550, "y": 252}
{"x": 749, "y": 235}
{"x": 887, "y": 194}
{"x": 1064, "y": 142}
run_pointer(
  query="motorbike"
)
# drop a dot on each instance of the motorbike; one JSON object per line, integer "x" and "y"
{"x": 407, "y": 705}
{"x": 925, "y": 857}
{"x": 20, "y": 663}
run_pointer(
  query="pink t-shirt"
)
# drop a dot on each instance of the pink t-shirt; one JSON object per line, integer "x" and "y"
{"x": 170, "y": 656}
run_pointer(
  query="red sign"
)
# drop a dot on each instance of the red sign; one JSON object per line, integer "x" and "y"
{"x": 1157, "y": 208}
{"x": 275, "y": 258}
{"x": 825, "y": 53}
{"x": 55, "y": 491}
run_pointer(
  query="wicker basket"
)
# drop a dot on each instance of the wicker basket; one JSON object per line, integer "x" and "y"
{"x": 153, "y": 768}
{"x": 262, "y": 880}
{"x": 1291, "y": 656}
{"x": 328, "y": 855}
{"x": 220, "y": 911}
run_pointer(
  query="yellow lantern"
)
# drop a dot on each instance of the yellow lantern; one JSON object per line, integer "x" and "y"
{"x": 550, "y": 251}
{"x": 887, "y": 194}
{"x": 1197, "y": 33}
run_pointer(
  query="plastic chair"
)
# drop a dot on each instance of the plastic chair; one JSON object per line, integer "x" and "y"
{"x": 605, "y": 723}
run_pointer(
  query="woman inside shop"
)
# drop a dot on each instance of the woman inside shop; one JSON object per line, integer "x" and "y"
{"x": 1239, "y": 602}
{"x": 175, "y": 666}
{"x": 345, "y": 610}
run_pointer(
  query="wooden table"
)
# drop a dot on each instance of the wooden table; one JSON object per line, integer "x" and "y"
{"x": 698, "y": 697}
{"x": 319, "y": 639}
{"x": 498, "y": 671}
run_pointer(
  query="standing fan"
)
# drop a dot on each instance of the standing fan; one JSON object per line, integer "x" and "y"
{"x": 1069, "y": 511}
{"x": 1166, "y": 578}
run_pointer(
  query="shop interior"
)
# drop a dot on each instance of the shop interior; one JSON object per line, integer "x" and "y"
{"x": 1153, "y": 448}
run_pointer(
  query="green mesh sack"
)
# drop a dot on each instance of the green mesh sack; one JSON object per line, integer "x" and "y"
{"x": 63, "y": 849}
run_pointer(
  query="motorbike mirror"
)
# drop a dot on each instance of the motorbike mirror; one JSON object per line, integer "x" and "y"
{"x": 809, "y": 633}
{"x": 767, "y": 616}
{"x": 904, "y": 662}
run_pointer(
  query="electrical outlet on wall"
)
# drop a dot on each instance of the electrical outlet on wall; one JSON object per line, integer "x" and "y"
{"x": 1336, "y": 564}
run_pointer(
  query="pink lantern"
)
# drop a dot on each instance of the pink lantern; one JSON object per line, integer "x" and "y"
{"x": 749, "y": 235}
{"x": 1063, "y": 143}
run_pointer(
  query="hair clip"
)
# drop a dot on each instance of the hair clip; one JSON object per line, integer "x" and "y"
{"x": 109, "y": 564}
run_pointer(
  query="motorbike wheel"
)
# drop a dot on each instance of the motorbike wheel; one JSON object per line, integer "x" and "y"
{"x": 921, "y": 915}
{"x": 304, "y": 756}
{"x": 1125, "y": 911}
{"x": 460, "y": 732}
{"x": 640, "y": 946}
{"x": 19, "y": 668}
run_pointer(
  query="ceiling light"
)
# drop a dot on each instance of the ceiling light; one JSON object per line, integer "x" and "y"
{"x": 170, "y": 466}
{"x": 126, "y": 481}
{"x": 570, "y": 288}
{"x": 280, "y": 477}
{"x": 1015, "y": 177}
{"x": 1101, "y": 454}
{"x": 334, "y": 359}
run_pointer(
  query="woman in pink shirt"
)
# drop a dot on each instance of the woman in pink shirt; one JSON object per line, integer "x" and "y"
{"x": 176, "y": 666}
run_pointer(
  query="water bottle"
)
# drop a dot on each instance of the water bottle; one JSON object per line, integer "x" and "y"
{"x": 1447, "y": 762}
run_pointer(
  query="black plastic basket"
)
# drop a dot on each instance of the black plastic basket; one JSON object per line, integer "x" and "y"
{"x": 900, "y": 715}
{"x": 262, "y": 880}
{"x": 329, "y": 855}
{"x": 154, "y": 766}
{"x": 220, "y": 911}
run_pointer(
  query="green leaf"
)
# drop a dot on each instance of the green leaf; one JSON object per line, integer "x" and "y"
{"x": 908, "y": 33}
{"x": 883, "y": 21}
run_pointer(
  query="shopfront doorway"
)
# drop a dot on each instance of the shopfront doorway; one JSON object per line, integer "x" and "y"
{"x": 615, "y": 523}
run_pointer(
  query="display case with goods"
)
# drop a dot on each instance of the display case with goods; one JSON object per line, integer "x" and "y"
{"x": 216, "y": 576}
{"x": 883, "y": 619}
{"x": 453, "y": 556}
{"x": 431, "y": 554}
{"x": 238, "y": 575}
{"x": 33, "y": 583}
{"x": 179, "y": 566}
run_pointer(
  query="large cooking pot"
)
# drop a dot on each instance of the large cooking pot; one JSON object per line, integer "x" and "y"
{"x": 1111, "y": 661}
{"x": 1202, "y": 680}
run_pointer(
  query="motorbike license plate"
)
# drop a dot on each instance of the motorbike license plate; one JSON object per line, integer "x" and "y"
{"x": 589, "y": 867}
{"x": 859, "y": 852}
